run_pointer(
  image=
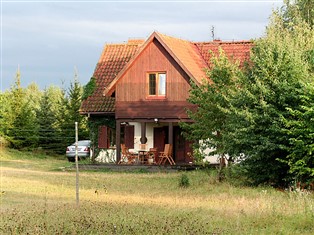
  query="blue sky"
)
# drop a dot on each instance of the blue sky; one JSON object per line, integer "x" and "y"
{"x": 49, "y": 39}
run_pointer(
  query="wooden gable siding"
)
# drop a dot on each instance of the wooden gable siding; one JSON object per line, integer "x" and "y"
{"x": 133, "y": 85}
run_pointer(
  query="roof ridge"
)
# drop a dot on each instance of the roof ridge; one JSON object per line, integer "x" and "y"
{"x": 172, "y": 37}
{"x": 122, "y": 44}
{"x": 224, "y": 42}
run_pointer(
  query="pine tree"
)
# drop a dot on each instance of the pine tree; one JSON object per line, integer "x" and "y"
{"x": 5, "y": 113}
{"x": 69, "y": 113}
{"x": 75, "y": 100}
{"x": 46, "y": 118}
{"x": 16, "y": 99}
{"x": 25, "y": 130}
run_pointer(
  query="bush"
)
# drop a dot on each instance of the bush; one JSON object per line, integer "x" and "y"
{"x": 184, "y": 181}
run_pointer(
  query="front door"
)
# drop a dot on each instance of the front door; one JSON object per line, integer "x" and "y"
{"x": 181, "y": 147}
{"x": 160, "y": 138}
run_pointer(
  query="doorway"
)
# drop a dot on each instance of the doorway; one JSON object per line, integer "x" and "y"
{"x": 160, "y": 138}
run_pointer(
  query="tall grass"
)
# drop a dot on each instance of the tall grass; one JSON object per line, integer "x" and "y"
{"x": 39, "y": 198}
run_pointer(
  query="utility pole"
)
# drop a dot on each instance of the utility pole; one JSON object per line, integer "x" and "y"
{"x": 76, "y": 163}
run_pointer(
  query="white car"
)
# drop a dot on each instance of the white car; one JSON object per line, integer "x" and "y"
{"x": 83, "y": 150}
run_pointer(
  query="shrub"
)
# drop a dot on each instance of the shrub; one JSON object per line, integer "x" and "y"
{"x": 184, "y": 181}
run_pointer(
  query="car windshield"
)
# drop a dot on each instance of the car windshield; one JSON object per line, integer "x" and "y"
{"x": 82, "y": 143}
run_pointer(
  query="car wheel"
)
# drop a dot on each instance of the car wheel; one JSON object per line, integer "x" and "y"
{"x": 71, "y": 159}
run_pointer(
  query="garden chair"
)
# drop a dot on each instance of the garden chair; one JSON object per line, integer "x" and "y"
{"x": 126, "y": 155}
{"x": 166, "y": 155}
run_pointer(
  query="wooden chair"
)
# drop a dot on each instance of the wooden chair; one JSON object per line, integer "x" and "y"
{"x": 126, "y": 155}
{"x": 166, "y": 155}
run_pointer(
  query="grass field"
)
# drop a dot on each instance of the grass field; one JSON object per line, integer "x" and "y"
{"x": 38, "y": 197}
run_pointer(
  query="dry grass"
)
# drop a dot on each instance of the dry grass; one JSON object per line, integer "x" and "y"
{"x": 41, "y": 200}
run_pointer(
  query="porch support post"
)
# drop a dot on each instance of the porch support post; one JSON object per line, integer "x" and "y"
{"x": 143, "y": 133}
{"x": 170, "y": 133}
{"x": 118, "y": 140}
{"x": 170, "y": 136}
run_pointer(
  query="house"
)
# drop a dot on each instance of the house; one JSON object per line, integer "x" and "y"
{"x": 143, "y": 87}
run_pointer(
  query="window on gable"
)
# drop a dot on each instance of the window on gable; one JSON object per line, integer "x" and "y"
{"x": 157, "y": 84}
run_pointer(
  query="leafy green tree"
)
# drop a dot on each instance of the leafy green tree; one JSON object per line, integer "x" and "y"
{"x": 264, "y": 119}
{"x": 89, "y": 88}
{"x": 300, "y": 129}
{"x": 213, "y": 99}
{"x": 275, "y": 84}
{"x": 281, "y": 73}
{"x": 298, "y": 9}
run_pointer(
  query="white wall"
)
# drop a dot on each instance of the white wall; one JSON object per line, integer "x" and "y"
{"x": 137, "y": 135}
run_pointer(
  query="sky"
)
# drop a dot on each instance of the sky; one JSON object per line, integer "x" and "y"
{"x": 51, "y": 41}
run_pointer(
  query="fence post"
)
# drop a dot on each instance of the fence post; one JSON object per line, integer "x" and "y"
{"x": 76, "y": 163}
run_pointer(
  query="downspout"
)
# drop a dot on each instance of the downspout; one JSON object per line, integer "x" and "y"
{"x": 143, "y": 133}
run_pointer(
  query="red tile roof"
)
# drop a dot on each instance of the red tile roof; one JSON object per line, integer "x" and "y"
{"x": 237, "y": 50}
{"x": 113, "y": 59}
{"x": 193, "y": 57}
{"x": 187, "y": 55}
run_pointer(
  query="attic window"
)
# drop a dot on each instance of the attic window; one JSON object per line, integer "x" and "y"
{"x": 157, "y": 84}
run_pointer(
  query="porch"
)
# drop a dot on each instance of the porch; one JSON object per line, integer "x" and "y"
{"x": 143, "y": 135}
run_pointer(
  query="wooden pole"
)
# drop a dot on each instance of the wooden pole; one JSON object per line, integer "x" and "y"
{"x": 118, "y": 140}
{"x": 76, "y": 163}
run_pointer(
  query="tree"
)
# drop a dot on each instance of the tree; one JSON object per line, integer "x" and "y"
{"x": 33, "y": 96}
{"x": 262, "y": 112}
{"x": 22, "y": 130}
{"x": 46, "y": 118}
{"x": 300, "y": 129}
{"x": 275, "y": 84}
{"x": 298, "y": 9}
{"x": 5, "y": 113}
{"x": 212, "y": 98}
{"x": 69, "y": 113}
{"x": 89, "y": 88}
{"x": 25, "y": 130}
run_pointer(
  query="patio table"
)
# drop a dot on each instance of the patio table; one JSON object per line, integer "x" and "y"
{"x": 142, "y": 154}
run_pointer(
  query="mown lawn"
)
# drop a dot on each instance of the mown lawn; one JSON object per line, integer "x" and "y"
{"x": 38, "y": 197}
